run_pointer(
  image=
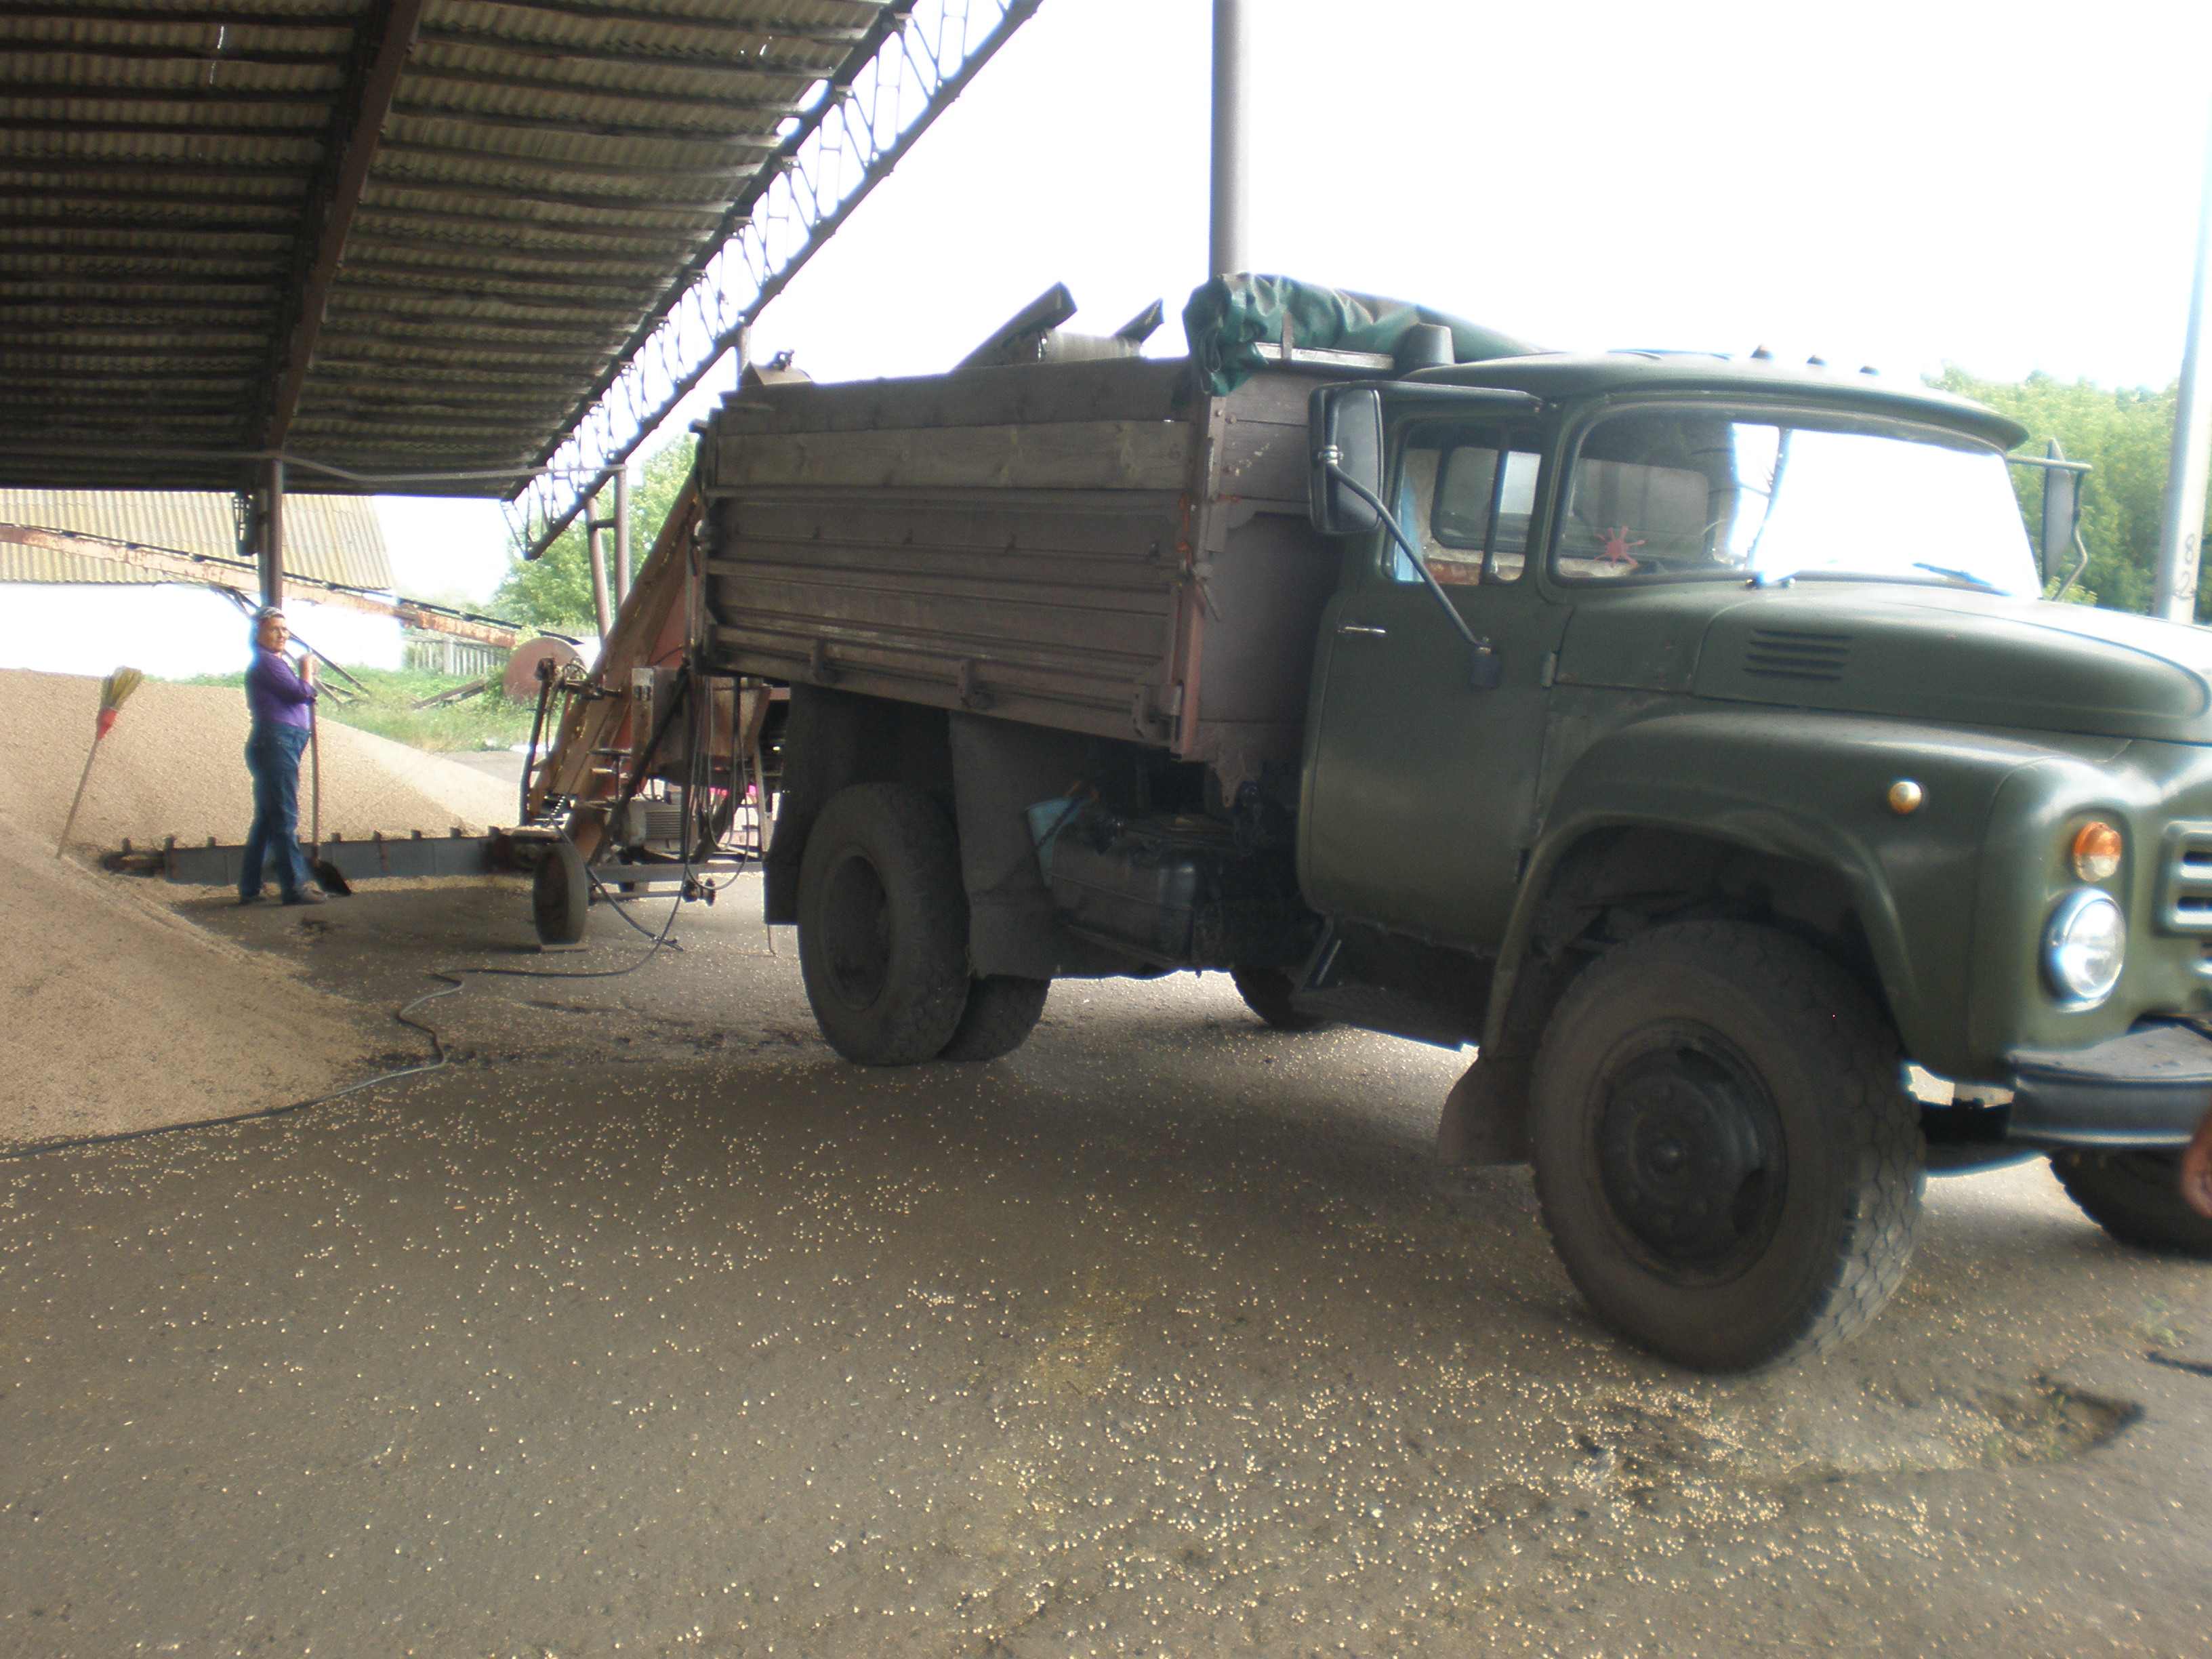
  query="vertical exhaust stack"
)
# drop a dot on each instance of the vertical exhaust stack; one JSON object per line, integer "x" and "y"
{"x": 1227, "y": 251}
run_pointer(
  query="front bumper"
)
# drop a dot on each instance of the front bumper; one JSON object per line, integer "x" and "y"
{"x": 2150, "y": 1088}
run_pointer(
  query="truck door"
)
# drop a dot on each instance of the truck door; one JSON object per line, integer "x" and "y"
{"x": 1421, "y": 783}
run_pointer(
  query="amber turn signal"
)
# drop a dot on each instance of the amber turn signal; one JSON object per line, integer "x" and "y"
{"x": 2096, "y": 851}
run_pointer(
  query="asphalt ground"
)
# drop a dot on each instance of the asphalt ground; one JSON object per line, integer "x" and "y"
{"x": 650, "y": 1326}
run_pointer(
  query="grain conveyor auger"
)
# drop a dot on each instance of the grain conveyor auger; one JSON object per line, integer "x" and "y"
{"x": 655, "y": 766}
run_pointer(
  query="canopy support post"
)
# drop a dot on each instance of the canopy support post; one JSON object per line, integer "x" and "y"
{"x": 269, "y": 546}
{"x": 1226, "y": 249}
{"x": 622, "y": 535}
{"x": 602, "y": 611}
{"x": 2182, "y": 528}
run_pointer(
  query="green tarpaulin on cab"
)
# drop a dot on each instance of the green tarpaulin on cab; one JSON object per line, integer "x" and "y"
{"x": 1228, "y": 318}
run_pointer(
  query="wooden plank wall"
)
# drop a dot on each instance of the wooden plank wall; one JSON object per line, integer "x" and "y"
{"x": 1009, "y": 540}
{"x": 1055, "y": 607}
{"x": 1085, "y": 545}
{"x": 1102, "y": 389}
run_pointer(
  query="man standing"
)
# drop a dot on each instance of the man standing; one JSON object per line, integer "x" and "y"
{"x": 282, "y": 699}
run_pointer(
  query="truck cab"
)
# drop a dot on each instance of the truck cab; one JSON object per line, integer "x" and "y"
{"x": 1677, "y": 672}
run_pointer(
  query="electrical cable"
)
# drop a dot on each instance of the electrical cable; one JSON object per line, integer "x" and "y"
{"x": 613, "y": 903}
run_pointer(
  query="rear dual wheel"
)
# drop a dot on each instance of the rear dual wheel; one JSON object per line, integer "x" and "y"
{"x": 1002, "y": 1010}
{"x": 1266, "y": 993}
{"x": 1727, "y": 1166}
{"x": 883, "y": 937}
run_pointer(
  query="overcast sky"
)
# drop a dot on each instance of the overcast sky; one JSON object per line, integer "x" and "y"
{"x": 2007, "y": 188}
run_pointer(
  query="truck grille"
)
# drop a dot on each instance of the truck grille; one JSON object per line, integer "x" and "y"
{"x": 2185, "y": 893}
{"x": 1791, "y": 654}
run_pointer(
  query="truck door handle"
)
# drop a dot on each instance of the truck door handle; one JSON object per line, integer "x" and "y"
{"x": 1363, "y": 628}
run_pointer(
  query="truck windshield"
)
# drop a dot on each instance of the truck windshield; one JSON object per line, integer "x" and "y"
{"x": 1684, "y": 494}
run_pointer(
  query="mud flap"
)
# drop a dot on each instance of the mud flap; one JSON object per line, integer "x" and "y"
{"x": 1485, "y": 1119}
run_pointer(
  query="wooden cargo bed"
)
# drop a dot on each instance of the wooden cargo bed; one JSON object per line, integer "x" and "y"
{"x": 1091, "y": 546}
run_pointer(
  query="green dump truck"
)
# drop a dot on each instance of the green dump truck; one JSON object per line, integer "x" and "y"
{"x": 1687, "y": 735}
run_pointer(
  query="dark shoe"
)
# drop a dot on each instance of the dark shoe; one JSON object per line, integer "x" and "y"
{"x": 305, "y": 896}
{"x": 251, "y": 898}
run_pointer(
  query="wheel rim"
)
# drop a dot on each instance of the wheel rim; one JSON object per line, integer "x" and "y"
{"x": 1690, "y": 1156}
{"x": 856, "y": 912}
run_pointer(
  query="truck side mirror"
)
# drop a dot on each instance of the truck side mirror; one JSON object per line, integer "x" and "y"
{"x": 1345, "y": 425}
{"x": 2062, "y": 508}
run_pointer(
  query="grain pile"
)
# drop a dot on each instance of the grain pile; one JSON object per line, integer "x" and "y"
{"x": 122, "y": 1015}
{"x": 174, "y": 766}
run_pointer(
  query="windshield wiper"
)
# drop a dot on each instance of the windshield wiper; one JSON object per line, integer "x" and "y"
{"x": 1966, "y": 576}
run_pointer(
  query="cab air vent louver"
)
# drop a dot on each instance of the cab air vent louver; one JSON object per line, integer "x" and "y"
{"x": 2185, "y": 895}
{"x": 1788, "y": 654}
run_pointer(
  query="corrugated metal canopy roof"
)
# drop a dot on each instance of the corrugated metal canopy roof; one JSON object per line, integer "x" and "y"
{"x": 389, "y": 235}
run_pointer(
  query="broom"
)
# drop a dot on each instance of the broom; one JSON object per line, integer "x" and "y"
{"x": 327, "y": 874}
{"x": 114, "y": 691}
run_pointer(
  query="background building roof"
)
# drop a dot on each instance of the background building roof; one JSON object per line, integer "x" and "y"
{"x": 331, "y": 538}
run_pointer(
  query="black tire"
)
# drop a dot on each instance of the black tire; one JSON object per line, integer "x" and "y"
{"x": 1727, "y": 1166}
{"x": 2137, "y": 1198}
{"x": 560, "y": 896}
{"x": 1002, "y": 1010}
{"x": 882, "y": 925}
{"x": 1266, "y": 993}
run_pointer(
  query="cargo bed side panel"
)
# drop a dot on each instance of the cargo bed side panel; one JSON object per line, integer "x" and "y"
{"x": 1086, "y": 546}
{"x": 1056, "y": 607}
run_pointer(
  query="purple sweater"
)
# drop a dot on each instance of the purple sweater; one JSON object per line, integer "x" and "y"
{"x": 275, "y": 692}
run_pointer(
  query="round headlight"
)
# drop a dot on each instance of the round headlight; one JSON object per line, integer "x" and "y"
{"x": 2096, "y": 851}
{"x": 2084, "y": 946}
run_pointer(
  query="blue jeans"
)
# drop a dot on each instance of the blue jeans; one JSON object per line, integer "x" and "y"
{"x": 272, "y": 755}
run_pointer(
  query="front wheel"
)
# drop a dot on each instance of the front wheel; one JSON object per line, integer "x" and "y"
{"x": 882, "y": 925}
{"x": 2137, "y": 1198}
{"x": 1726, "y": 1164}
{"x": 560, "y": 895}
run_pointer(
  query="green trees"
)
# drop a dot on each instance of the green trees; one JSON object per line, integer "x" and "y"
{"x": 2125, "y": 434}
{"x": 555, "y": 590}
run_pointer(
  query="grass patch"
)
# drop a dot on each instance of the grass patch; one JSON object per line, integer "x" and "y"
{"x": 2159, "y": 1327}
{"x": 2051, "y": 1425}
{"x": 487, "y": 720}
